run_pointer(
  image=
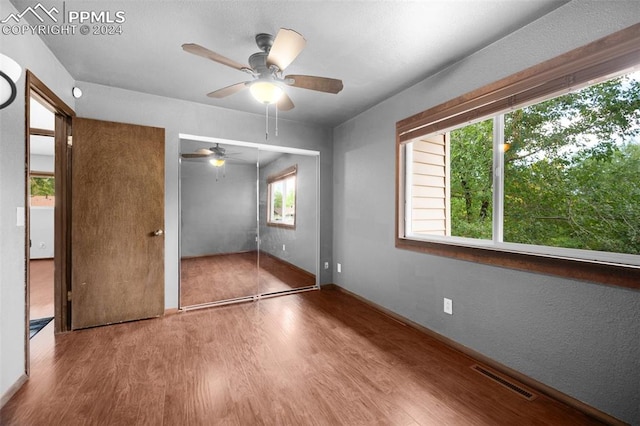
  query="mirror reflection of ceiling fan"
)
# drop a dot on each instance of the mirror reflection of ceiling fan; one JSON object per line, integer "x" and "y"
{"x": 217, "y": 155}
{"x": 267, "y": 67}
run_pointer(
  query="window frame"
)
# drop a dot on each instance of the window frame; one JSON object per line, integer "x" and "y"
{"x": 609, "y": 56}
{"x": 281, "y": 176}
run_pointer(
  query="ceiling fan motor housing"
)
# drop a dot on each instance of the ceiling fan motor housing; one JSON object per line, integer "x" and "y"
{"x": 258, "y": 62}
{"x": 264, "y": 41}
{"x": 218, "y": 150}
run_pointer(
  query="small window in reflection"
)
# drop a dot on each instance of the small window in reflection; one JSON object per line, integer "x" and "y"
{"x": 281, "y": 205}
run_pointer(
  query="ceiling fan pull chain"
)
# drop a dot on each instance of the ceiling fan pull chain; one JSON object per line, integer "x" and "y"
{"x": 266, "y": 135}
{"x": 276, "y": 119}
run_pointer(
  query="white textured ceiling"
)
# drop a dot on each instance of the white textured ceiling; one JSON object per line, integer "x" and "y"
{"x": 376, "y": 47}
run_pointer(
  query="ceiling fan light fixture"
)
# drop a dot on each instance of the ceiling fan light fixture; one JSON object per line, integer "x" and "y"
{"x": 266, "y": 92}
{"x": 217, "y": 162}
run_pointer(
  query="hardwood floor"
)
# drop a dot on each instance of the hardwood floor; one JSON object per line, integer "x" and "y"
{"x": 41, "y": 288}
{"x": 229, "y": 276}
{"x": 315, "y": 358}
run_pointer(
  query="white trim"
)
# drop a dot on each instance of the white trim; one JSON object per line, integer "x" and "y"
{"x": 407, "y": 150}
{"x": 319, "y": 261}
{"x": 402, "y": 202}
{"x": 602, "y": 257}
{"x": 263, "y": 147}
{"x": 447, "y": 184}
{"x": 498, "y": 178}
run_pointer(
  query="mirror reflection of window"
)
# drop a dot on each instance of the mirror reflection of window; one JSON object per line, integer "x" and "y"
{"x": 281, "y": 208}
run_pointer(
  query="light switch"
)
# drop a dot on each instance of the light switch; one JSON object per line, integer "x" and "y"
{"x": 20, "y": 216}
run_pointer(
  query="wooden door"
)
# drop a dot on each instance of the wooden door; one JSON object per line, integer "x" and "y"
{"x": 117, "y": 261}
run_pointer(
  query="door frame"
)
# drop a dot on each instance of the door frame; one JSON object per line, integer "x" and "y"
{"x": 62, "y": 247}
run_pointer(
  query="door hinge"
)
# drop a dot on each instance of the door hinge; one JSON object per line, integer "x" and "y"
{"x": 69, "y": 140}
{"x": 68, "y": 296}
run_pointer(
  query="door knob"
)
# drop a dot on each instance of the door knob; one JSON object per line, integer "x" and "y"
{"x": 158, "y": 233}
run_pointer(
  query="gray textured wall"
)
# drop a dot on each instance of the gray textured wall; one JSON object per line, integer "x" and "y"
{"x": 580, "y": 338}
{"x": 41, "y": 226}
{"x": 218, "y": 216}
{"x": 30, "y": 52}
{"x": 300, "y": 243}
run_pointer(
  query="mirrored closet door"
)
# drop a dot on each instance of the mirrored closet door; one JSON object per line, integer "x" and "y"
{"x": 288, "y": 221}
{"x": 219, "y": 199}
{"x": 249, "y": 221}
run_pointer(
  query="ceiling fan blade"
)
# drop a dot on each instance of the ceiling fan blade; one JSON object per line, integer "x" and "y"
{"x": 226, "y": 91}
{"x": 196, "y": 49}
{"x": 286, "y": 47}
{"x": 194, "y": 156}
{"x": 200, "y": 153}
{"x": 320, "y": 84}
{"x": 285, "y": 103}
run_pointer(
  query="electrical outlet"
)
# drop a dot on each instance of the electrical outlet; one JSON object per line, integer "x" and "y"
{"x": 448, "y": 306}
{"x": 339, "y": 268}
{"x": 326, "y": 265}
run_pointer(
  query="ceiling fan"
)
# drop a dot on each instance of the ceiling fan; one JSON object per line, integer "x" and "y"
{"x": 267, "y": 67}
{"x": 217, "y": 155}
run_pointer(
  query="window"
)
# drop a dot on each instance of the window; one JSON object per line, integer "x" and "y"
{"x": 572, "y": 170}
{"x": 42, "y": 190}
{"x": 281, "y": 193}
{"x": 539, "y": 171}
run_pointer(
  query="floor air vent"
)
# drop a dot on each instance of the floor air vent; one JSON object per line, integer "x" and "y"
{"x": 504, "y": 381}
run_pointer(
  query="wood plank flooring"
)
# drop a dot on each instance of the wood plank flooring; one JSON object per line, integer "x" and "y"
{"x": 314, "y": 358}
{"x": 41, "y": 288}
{"x": 228, "y": 276}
